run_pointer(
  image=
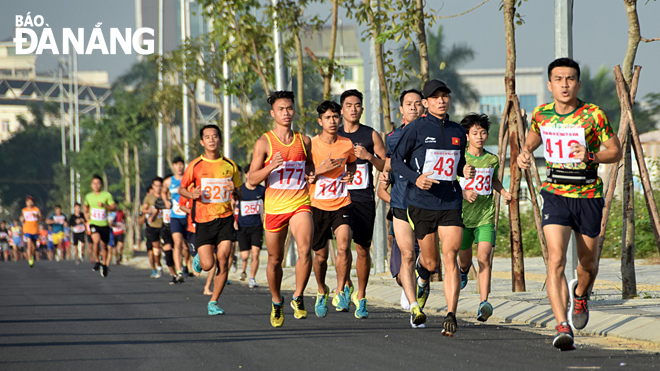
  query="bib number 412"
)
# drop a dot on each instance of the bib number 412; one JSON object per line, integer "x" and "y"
{"x": 557, "y": 143}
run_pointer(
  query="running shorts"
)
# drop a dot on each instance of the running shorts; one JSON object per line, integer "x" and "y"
{"x": 104, "y": 232}
{"x": 364, "y": 216}
{"x": 250, "y": 236}
{"x": 277, "y": 222}
{"x": 424, "y": 221}
{"x": 179, "y": 225}
{"x": 58, "y": 237}
{"x": 326, "y": 222}
{"x": 153, "y": 235}
{"x": 166, "y": 235}
{"x": 482, "y": 233}
{"x": 215, "y": 231}
{"x": 583, "y": 215}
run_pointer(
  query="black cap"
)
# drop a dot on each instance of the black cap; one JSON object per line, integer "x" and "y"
{"x": 432, "y": 85}
{"x": 178, "y": 159}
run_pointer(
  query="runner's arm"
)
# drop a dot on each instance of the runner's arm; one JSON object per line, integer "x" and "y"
{"x": 309, "y": 164}
{"x": 259, "y": 173}
{"x": 165, "y": 189}
{"x": 402, "y": 151}
{"x": 532, "y": 142}
{"x": 382, "y": 189}
{"x": 379, "y": 150}
{"x": 612, "y": 152}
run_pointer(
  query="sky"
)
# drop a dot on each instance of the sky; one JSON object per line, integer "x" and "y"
{"x": 600, "y": 32}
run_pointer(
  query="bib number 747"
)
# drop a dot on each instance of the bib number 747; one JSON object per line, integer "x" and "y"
{"x": 442, "y": 163}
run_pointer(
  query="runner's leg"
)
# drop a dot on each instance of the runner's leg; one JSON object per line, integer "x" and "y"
{"x": 557, "y": 238}
{"x": 406, "y": 241}
{"x": 321, "y": 268}
{"x": 343, "y": 237}
{"x": 275, "y": 246}
{"x": 302, "y": 230}
{"x": 178, "y": 245}
{"x": 254, "y": 266}
{"x": 451, "y": 238}
{"x": 587, "y": 269}
{"x": 224, "y": 250}
{"x": 363, "y": 268}
{"x": 484, "y": 252}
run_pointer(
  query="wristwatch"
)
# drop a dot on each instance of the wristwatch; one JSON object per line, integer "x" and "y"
{"x": 590, "y": 157}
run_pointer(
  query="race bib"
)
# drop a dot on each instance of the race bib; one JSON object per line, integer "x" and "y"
{"x": 215, "y": 191}
{"x": 30, "y": 216}
{"x": 3, "y": 235}
{"x": 442, "y": 163}
{"x": 482, "y": 183}
{"x": 250, "y": 207}
{"x": 290, "y": 175}
{"x": 99, "y": 215}
{"x": 176, "y": 209}
{"x": 167, "y": 214}
{"x": 78, "y": 228}
{"x": 557, "y": 143}
{"x": 361, "y": 177}
{"x": 330, "y": 188}
{"x": 59, "y": 219}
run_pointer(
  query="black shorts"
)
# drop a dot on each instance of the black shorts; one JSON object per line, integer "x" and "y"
{"x": 78, "y": 237}
{"x": 364, "y": 215}
{"x": 104, "y": 232}
{"x": 89, "y": 238}
{"x": 166, "y": 235}
{"x": 401, "y": 214}
{"x": 583, "y": 215}
{"x": 250, "y": 236}
{"x": 119, "y": 238}
{"x": 153, "y": 235}
{"x": 326, "y": 222}
{"x": 425, "y": 222}
{"x": 216, "y": 231}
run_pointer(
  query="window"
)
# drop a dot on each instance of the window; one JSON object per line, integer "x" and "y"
{"x": 348, "y": 74}
{"x": 5, "y": 126}
{"x": 528, "y": 103}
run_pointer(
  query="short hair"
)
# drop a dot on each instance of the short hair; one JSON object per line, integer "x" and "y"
{"x": 157, "y": 179}
{"x": 406, "y": 92}
{"x": 351, "y": 93}
{"x": 326, "y": 106}
{"x": 473, "y": 119}
{"x": 96, "y": 176}
{"x": 239, "y": 168}
{"x": 58, "y": 206}
{"x": 209, "y": 126}
{"x": 77, "y": 204}
{"x": 564, "y": 62}
{"x": 280, "y": 94}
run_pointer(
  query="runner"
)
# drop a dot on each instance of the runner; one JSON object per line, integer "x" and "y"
{"x": 118, "y": 230}
{"x": 178, "y": 222}
{"x": 166, "y": 236}
{"x": 404, "y": 246}
{"x": 77, "y": 222}
{"x": 370, "y": 152}
{"x": 97, "y": 205}
{"x": 332, "y": 212}
{"x": 479, "y": 208}
{"x": 154, "y": 224}
{"x": 31, "y": 218}
{"x": 4, "y": 240}
{"x": 57, "y": 221}
{"x": 16, "y": 240}
{"x": 573, "y": 192}
{"x": 250, "y": 227}
{"x": 214, "y": 179}
{"x": 430, "y": 154}
{"x": 281, "y": 159}
{"x": 186, "y": 206}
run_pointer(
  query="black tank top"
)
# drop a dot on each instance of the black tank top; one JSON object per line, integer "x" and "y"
{"x": 362, "y": 188}
{"x": 3, "y": 235}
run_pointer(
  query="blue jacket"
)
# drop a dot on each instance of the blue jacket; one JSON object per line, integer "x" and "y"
{"x": 409, "y": 155}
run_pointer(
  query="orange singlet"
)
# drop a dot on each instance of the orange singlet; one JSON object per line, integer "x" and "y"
{"x": 287, "y": 192}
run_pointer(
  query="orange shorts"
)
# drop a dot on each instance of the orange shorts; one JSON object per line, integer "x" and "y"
{"x": 277, "y": 222}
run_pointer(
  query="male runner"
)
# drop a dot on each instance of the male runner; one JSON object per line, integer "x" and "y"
{"x": 250, "y": 227}
{"x": 479, "y": 207}
{"x": 572, "y": 133}
{"x": 166, "y": 238}
{"x": 214, "y": 178}
{"x": 154, "y": 224}
{"x": 57, "y": 220}
{"x": 118, "y": 232}
{"x": 404, "y": 244}
{"x": 282, "y": 158}
{"x": 186, "y": 206}
{"x": 31, "y": 218}
{"x": 370, "y": 152}
{"x": 4, "y": 240}
{"x": 77, "y": 223}
{"x": 334, "y": 161}
{"x": 16, "y": 240}
{"x": 178, "y": 221}
{"x": 97, "y": 205}
{"x": 430, "y": 154}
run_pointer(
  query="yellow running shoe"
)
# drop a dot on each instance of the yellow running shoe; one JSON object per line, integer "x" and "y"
{"x": 277, "y": 314}
{"x": 31, "y": 262}
{"x": 417, "y": 317}
{"x": 335, "y": 299}
{"x": 298, "y": 305}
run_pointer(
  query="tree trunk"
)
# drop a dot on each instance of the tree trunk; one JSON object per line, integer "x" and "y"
{"x": 128, "y": 204}
{"x": 105, "y": 180}
{"x": 517, "y": 262}
{"x": 300, "y": 86}
{"x": 421, "y": 40}
{"x": 628, "y": 281}
{"x": 327, "y": 77}
{"x": 136, "y": 204}
{"x": 384, "y": 93}
{"x": 634, "y": 37}
{"x": 193, "y": 146}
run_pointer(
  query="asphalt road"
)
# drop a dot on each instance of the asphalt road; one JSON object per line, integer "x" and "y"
{"x": 62, "y": 316}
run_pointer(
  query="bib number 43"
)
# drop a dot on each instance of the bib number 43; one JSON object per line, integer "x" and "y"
{"x": 442, "y": 163}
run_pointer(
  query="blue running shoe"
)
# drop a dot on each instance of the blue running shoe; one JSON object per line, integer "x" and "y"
{"x": 197, "y": 266}
{"x": 214, "y": 309}
{"x": 154, "y": 273}
{"x": 464, "y": 278}
{"x": 361, "y": 311}
{"x": 485, "y": 311}
{"x": 348, "y": 292}
{"x": 321, "y": 306}
{"x": 342, "y": 304}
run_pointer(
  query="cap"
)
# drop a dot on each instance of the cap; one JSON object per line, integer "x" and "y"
{"x": 177, "y": 159}
{"x": 432, "y": 85}
{"x": 28, "y": 197}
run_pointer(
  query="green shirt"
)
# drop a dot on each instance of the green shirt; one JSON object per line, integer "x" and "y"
{"x": 482, "y": 210}
{"x": 151, "y": 201}
{"x": 98, "y": 215}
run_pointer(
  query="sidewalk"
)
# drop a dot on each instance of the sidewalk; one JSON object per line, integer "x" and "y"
{"x": 634, "y": 319}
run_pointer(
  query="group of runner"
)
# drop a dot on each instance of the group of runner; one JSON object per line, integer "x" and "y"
{"x": 440, "y": 181}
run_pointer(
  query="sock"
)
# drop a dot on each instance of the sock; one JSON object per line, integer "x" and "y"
{"x": 421, "y": 283}
{"x": 414, "y": 304}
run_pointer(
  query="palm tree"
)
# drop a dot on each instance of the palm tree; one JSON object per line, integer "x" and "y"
{"x": 443, "y": 65}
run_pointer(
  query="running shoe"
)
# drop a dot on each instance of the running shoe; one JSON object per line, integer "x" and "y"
{"x": 159, "y": 273}
{"x": 417, "y": 317}
{"x": 104, "y": 271}
{"x": 173, "y": 281}
{"x": 321, "y": 305}
{"x": 464, "y": 278}
{"x": 423, "y": 294}
{"x": 277, "y": 314}
{"x": 31, "y": 262}
{"x": 335, "y": 299}
{"x": 214, "y": 309}
{"x": 342, "y": 302}
{"x": 449, "y": 325}
{"x": 153, "y": 273}
{"x": 485, "y": 311}
{"x": 361, "y": 310}
{"x": 405, "y": 305}
{"x": 197, "y": 266}
{"x": 233, "y": 265}
{"x": 185, "y": 272}
{"x": 564, "y": 338}
{"x": 348, "y": 292}
{"x": 298, "y": 305}
{"x": 253, "y": 283}
{"x": 96, "y": 267}
{"x": 578, "y": 313}
{"x": 243, "y": 276}
{"x": 179, "y": 278}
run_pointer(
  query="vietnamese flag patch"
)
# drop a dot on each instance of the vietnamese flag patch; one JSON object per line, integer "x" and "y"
{"x": 455, "y": 141}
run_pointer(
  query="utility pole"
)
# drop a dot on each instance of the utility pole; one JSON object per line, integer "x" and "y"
{"x": 185, "y": 124}
{"x": 62, "y": 128}
{"x": 279, "y": 55}
{"x": 159, "y": 167}
{"x": 76, "y": 114}
{"x": 72, "y": 175}
{"x": 226, "y": 110}
{"x": 564, "y": 49}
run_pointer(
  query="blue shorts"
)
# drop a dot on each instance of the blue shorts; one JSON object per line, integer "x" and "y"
{"x": 18, "y": 241}
{"x": 583, "y": 215}
{"x": 33, "y": 237}
{"x": 179, "y": 225}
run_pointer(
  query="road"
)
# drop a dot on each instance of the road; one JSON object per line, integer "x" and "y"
{"x": 62, "y": 316}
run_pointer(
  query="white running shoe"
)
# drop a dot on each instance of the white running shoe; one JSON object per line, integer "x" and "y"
{"x": 405, "y": 305}
{"x": 253, "y": 283}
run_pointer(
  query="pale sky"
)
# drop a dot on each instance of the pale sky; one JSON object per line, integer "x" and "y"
{"x": 600, "y": 32}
